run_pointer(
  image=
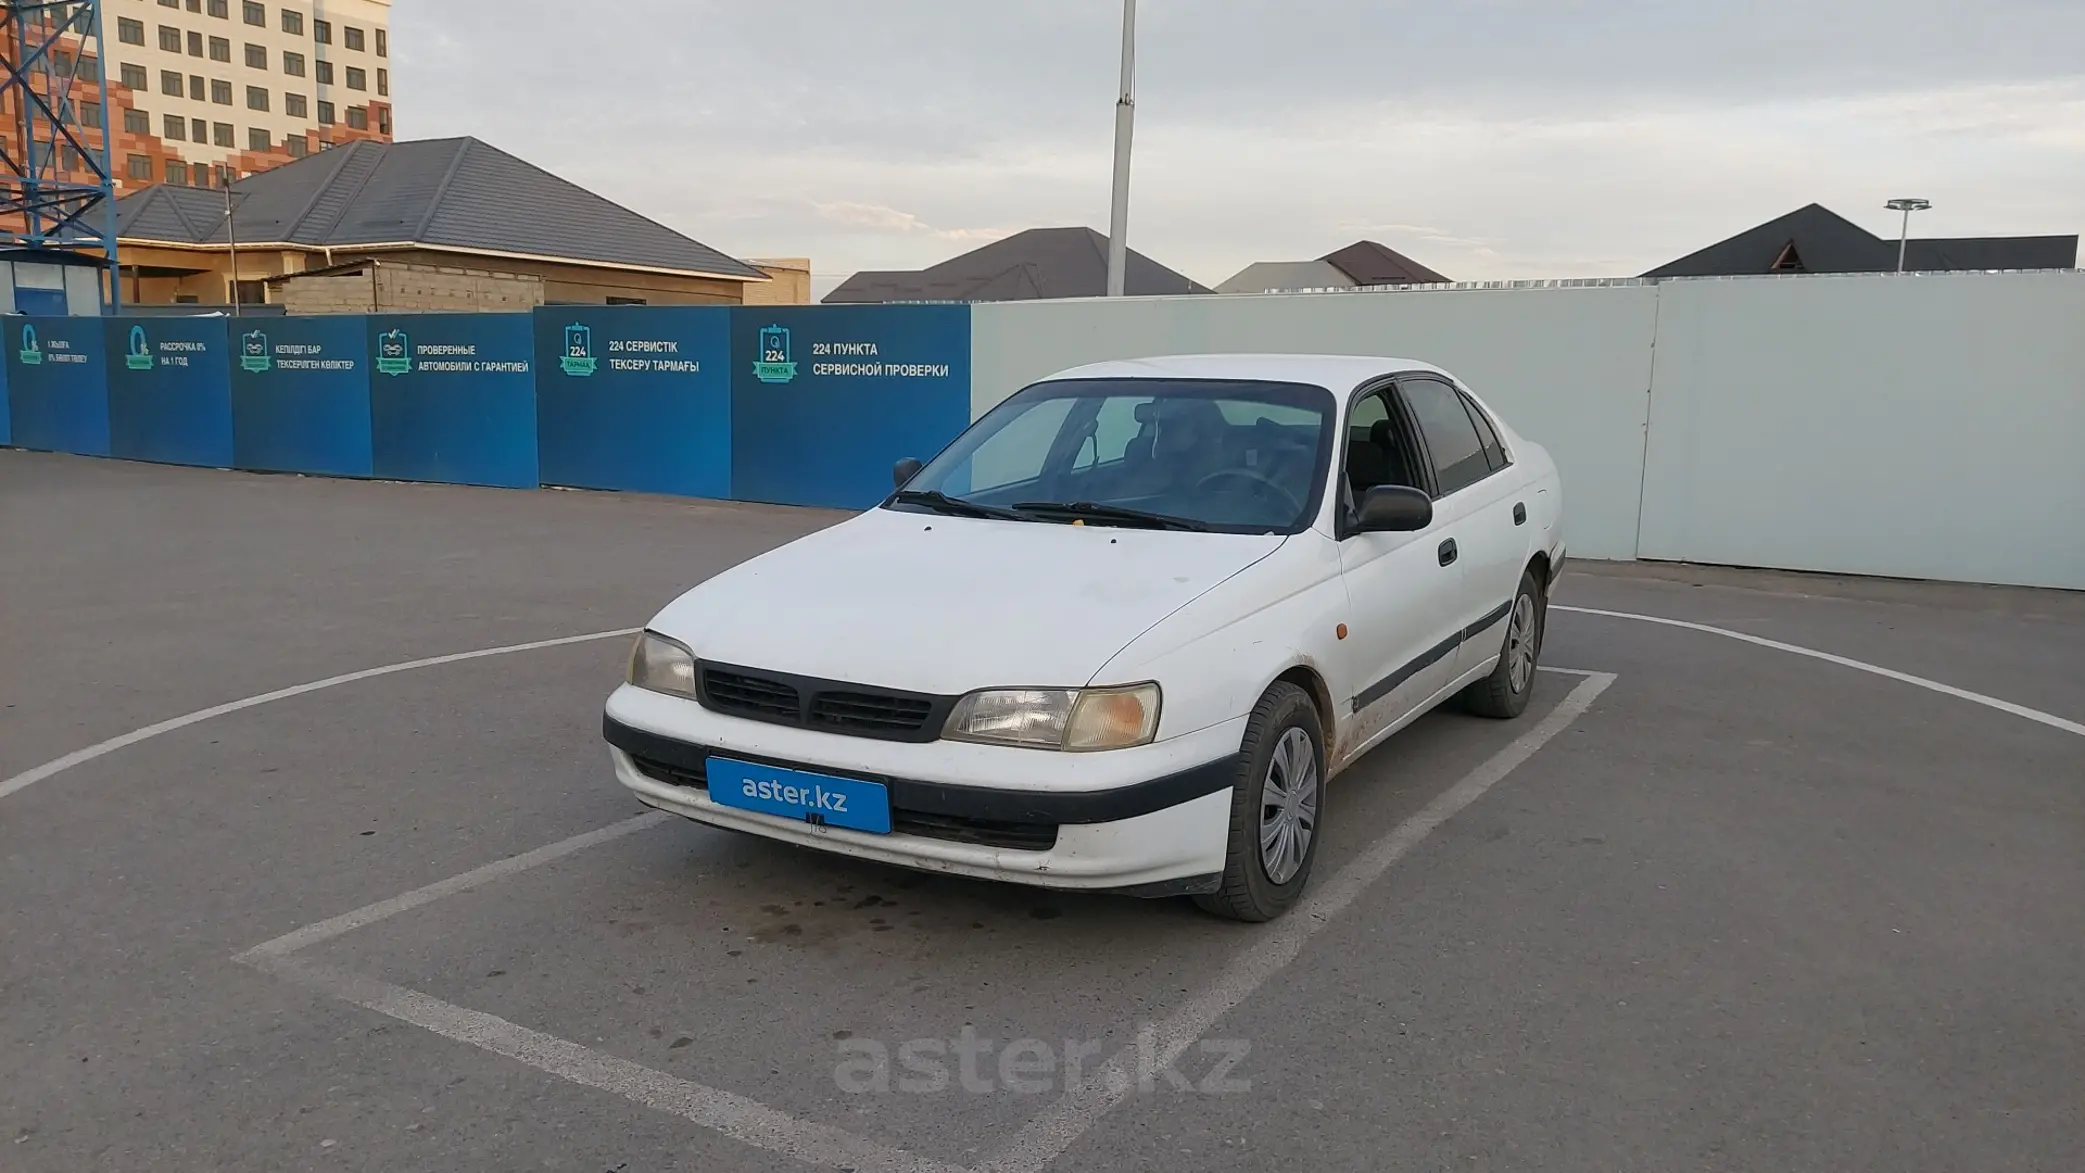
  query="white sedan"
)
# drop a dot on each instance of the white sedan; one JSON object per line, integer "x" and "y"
{"x": 1118, "y": 635}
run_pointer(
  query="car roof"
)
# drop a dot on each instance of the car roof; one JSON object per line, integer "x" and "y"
{"x": 1342, "y": 373}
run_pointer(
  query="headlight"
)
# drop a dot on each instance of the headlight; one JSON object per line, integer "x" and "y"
{"x": 1058, "y": 718}
{"x": 663, "y": 665}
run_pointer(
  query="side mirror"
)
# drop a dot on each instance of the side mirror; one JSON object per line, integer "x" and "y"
{"x": 904, "y": 471}
{"x": 1392, "y": 509}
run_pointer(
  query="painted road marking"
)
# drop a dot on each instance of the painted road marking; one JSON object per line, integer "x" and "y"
{"x": 1037, "y": 1143}
{"x": 2050, "y": 719}
{"x": 1048, "y": 1135}
{"x": 25, "y": 780}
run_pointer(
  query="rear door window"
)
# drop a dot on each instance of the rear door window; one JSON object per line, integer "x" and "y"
{"x": 1452, "y": 443}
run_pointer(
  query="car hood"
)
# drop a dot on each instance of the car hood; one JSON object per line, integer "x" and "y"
{"x": 945, "y": 605}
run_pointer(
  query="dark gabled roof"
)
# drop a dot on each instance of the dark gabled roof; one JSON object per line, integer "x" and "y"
{"x": 1038, "y": 263}
{"x": 1827, "y": 242}
{"x": 457, "y": 193}
{"x": 1369, "y": 263}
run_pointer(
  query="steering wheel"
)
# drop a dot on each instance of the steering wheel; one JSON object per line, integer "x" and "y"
{"x": 1255, "y": 481}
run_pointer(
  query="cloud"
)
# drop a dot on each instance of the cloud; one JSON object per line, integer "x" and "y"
{"x": 1488, "y": 138}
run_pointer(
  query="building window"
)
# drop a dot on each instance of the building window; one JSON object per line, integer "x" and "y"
{"x": 195, "y": 44}
{"x": 256, "y": 56}
{"x": 383, "y": 119}
{"x": 627, "y": 301}
{"x": 256, "y": 98}
{"x": 177, "y": 172}
{"x": 322, "y": 31}
{"x": 130, "y": 32}
{"x": 169, "y": 39}
{"x": 221, "y": 49}
{"x": 221, "y": 9}
{"x": 296, "y": 106}
{"x": 352, "y": 38}
{"x": 383, "y": 43}
{"x": 90, "y": 115}
{"x": 256, "y": 14}
{"x": 358, "y": 117}
{"x": 325, "y": 113}
{"x": 170, "y": 3}
{"x": 357, "y": 79}
{"x": 298, "y": 147}
{"x": 257, "y": 139}
{"x": 201, "y": 174}
{"x": 69, "y": 159}
{"x": 176, "y": 128}
{"x": 170, "y": 83}
{"x": 221, "y": 92}
{"x": 199, "y": 131}
{"x": 135, "y": 77}
{"x": 89, "y": 69}
{"x": 293, "y": 63}
{"x": 221, "y": 133}
{"x": 383, "y": 82}
{"x": 325, "y": 73}
{"x": 138, "y": 167}
{"x": 137, "y": 122}
{"x": 293, "y": 23}
{"x": 195, "y": 87}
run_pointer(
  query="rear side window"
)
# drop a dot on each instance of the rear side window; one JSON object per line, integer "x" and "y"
{"x": 1494, "y": 452}
{"x": 1451, "y": 439}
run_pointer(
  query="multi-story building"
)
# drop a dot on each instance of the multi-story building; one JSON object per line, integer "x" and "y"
{"x": 197, "y": 87}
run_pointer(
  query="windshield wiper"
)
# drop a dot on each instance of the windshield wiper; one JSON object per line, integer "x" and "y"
{"x": 941, "y": 502}
{"x": 1095, "y": 511}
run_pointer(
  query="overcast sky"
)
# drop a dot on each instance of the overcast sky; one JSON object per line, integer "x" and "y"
{"x": 1489, "y": 139}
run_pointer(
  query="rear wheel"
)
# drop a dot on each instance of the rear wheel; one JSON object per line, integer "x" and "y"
{"x": 1276, "y": 807}
{"x": 1504, "y": 694}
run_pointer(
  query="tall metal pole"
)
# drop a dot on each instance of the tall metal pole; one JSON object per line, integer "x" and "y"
{"x": 1125, "y": 122}
{"x": 1904, "y": 238}
{"x": 231, "y": 232}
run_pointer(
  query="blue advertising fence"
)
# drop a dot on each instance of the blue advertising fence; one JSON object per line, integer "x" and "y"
{"x": 170, "y": 390}
{"x": 635, "y": 398}
{"x": 793, "y": 405}
{"x": 300, "y": 397}
{"x": 58, "y": 388}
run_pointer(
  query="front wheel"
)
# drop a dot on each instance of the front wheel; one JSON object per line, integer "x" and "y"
{"x": 1504, "y": 694}
{"x": 1276, "y": 804}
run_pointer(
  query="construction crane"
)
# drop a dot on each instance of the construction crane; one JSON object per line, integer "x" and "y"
{"x": 57, "y": 191}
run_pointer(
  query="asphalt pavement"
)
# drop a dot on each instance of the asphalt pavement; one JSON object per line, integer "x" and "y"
{"x": 1722, "y": 906}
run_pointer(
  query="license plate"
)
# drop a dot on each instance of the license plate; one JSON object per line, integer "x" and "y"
{"x": 795, "y": 794}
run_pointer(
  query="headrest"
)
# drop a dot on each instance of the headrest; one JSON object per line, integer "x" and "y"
{"x": 1382, "y": 435}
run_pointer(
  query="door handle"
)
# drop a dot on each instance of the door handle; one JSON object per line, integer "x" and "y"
{"x": 1520, "y": 513}
{"x": 1448, "y": 552}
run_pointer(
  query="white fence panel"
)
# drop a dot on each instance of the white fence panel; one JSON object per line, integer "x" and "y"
{"x": 1570, "y": 367}
{"x": 1922, "y": 427}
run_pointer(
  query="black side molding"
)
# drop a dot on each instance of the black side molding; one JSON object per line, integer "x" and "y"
{"x": 967, "y": 802}
{"x": 1431, "y": 656}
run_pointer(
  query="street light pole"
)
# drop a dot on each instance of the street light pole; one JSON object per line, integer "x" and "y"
{"x": 1125, "y": 122}
{"x": 1906, "y": 206}
{"x": 231, "y": 231}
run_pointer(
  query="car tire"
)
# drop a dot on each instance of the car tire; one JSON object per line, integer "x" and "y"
{"x": 1280, "y": 791}
{"x": 1504, "y": 694}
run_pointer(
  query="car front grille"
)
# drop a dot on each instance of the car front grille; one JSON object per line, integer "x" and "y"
{"x": 949, "y": 828}
{"x": 830, "y": 706}
{"x": 747, "y": 695}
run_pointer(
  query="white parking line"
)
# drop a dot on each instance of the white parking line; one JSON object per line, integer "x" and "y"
{"x": 28, "y": 778}
{"x": 744, "y": 1120}
{"x": 1048, "y": 1135}
{"x": 2050, "y": 719}
{"x": 751, "y": 1122}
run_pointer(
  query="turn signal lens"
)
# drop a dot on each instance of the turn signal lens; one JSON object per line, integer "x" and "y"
{"x": 1113, "y": 718}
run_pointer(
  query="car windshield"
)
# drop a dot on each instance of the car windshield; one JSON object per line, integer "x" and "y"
{"x": 1229, "y": 456}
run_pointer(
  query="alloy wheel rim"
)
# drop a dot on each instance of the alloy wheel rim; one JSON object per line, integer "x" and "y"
{"x": 1520, "y": 644}
{"x": 1288, "y": 806}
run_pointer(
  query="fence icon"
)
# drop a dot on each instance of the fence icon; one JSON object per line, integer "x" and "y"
{"x": 775, "y": 364}
{"x": 578, "y": 359}
{"x": 394, "y": 352}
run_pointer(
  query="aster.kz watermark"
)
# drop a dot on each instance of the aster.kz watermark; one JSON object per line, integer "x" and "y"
{"x": 980, "y": 1066}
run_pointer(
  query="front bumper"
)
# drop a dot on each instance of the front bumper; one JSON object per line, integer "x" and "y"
{"x": 1154, "y": 821}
